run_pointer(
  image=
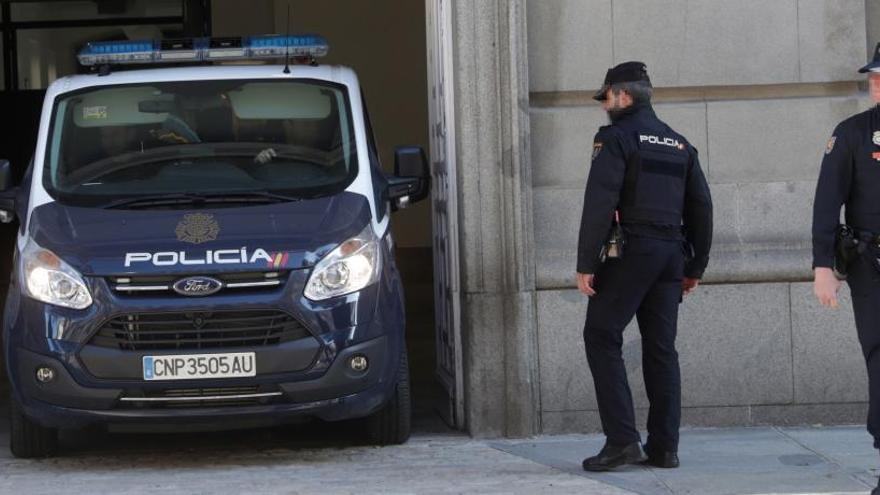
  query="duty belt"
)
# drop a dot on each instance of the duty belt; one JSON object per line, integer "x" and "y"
{"x": 659, "y": 231}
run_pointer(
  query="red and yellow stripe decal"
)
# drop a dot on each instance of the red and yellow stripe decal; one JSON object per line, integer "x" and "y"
{"x": 279, "y": 260}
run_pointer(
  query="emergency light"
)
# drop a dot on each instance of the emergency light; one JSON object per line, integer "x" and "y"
{"x": 202, "y": 49}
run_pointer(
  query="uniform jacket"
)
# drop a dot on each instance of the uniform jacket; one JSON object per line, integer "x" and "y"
{"x": 651, "y": 175}
{"x": 850, "y": 175}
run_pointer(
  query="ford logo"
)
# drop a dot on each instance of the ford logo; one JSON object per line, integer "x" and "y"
{"x": 197, "y": 286}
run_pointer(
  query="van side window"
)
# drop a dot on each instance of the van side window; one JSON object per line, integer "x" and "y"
{"x": 380, "y": 184}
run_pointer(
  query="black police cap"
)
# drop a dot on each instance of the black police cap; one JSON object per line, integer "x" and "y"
{"x": 874, "y": 66}
{"x": 625, "y": 72}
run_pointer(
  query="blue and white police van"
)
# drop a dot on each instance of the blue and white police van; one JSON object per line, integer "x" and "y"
{"x": 206, "y": 244}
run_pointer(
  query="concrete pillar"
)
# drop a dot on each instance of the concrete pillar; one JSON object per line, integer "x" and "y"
{"x": 872, "y": 16}
{"x": 495, "y": 221}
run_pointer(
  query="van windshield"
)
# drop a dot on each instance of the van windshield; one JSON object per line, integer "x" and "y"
{"x": 279, "y": 139}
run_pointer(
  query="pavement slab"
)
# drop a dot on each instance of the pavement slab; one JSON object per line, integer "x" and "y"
{"x": 827, "y": 460}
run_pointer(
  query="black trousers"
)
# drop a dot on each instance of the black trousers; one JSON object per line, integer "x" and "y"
{"x": 645, "y": 283}
{"x": 864, "y": 284}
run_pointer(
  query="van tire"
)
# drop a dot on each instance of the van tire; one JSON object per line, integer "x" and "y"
{"x": 28, "y": 439}
{"x": 391, "y": 424}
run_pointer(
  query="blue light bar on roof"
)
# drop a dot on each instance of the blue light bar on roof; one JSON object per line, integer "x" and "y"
{"x": 202, "y": 49}
{"x": 117, "y": 52}
{"x": 274, "y": 46}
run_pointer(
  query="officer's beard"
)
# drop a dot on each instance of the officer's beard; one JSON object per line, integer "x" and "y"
{"x": 618, "y": 112}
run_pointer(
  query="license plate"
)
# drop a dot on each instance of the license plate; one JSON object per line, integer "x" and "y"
{"x": 196, "y": 366}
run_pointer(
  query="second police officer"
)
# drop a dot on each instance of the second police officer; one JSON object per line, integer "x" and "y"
{"x": 850, "y": 177}
{"x": 645, "y": 182}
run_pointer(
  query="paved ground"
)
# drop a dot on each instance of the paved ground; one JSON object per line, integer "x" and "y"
{"x": 731, "y": 461}
{"x": 319, "y": 459}
{"x": 294, "y": 460}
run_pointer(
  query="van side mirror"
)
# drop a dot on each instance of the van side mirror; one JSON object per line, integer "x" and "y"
{"x": 7, "y": 196}
{"x": 412, "y": 177}
{"x": 5, "y": 175}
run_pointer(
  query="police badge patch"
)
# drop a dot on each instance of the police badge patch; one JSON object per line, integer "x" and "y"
{"x": 830, "y": 146}
{"x": 197, "y": 228}
{"x": 876, "y": 138}
{"x": 597, "y": 148}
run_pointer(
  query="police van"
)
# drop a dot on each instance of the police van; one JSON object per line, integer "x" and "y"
{"x": 206, "y": 244}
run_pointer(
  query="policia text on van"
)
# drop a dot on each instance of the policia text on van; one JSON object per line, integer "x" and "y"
{"x": 206, "y": 243}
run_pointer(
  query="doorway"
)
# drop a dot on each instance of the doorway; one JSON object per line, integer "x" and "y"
{"x": 402, "y": 52}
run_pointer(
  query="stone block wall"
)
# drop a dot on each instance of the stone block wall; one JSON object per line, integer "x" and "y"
{"x": 757, "y": 87}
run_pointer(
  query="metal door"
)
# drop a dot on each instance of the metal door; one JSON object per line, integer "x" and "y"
{"x": 444, "y": 206}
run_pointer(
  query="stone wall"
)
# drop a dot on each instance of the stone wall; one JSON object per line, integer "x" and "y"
{"x": 757, "y": 87}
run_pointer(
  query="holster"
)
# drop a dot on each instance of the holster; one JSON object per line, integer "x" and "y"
{"x": 846, "y": 249}
{"x": 613, "y": 248}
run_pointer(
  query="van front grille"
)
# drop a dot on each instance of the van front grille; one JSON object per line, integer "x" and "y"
{"x": 163, "y": 285}
{"x": 198, "y": 330}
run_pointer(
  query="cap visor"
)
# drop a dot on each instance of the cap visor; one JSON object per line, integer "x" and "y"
{"x": 872, "y": 67}
{"x": 602, "y": 94}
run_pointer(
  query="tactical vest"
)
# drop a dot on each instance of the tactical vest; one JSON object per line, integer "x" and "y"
{"x": 654, "y": 184}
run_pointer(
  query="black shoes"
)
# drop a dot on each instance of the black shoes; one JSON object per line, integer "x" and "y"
{"x": 611, "y": 457}
{"x": 662, "y": 459}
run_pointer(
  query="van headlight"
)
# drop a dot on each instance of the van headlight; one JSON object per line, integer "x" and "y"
{"x": 350, "y": 267}
{"x": 49, "y": 279}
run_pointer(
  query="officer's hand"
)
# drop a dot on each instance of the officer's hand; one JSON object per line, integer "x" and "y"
{"x": 688, "y": 285}
{"x": 825, "y": 286}
{"x": 585, "y": 283}
{"x": 265, "y": 156}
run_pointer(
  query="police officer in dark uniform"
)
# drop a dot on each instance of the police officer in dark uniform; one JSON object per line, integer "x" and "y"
{"x": 645, "y": 183}
{"x": 850, "y": 176}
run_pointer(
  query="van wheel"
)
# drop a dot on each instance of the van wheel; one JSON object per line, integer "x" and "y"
{"x": 27, "y": 439}
{"x": 391, "y": 424}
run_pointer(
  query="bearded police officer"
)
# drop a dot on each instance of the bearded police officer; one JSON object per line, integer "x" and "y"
{"x": 646, "y": 188}
{"x": 850, "y": 176}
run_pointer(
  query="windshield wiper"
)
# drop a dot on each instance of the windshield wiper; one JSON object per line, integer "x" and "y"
{"x": 278, "y": 198}
{"x": 156, "y": 200}
{"x": 177, "y": 199}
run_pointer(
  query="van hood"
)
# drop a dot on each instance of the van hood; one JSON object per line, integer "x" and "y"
{"x": 281, "y": 236}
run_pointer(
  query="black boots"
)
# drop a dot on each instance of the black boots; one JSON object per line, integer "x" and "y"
{"x": 612, "y": 456}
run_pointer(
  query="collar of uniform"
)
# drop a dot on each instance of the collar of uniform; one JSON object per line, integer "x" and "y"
{"x": 636, "y": 110}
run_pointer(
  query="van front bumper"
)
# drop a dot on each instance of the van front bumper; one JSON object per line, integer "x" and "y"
{"x": 338, "y": 393}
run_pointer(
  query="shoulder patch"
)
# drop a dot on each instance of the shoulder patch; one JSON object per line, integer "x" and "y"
{"x": 597, "y": 148}
{"x": 830, "y": 146}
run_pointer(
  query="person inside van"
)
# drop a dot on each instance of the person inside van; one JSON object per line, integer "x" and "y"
{"x": 118, "y": 139}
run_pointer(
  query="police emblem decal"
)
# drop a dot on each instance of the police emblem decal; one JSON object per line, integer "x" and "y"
{"x": 197, "y": 228}
{"x": 597, "y": 148}
{"x": 830, "y": 146}
{"x": 876, "y": 138}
